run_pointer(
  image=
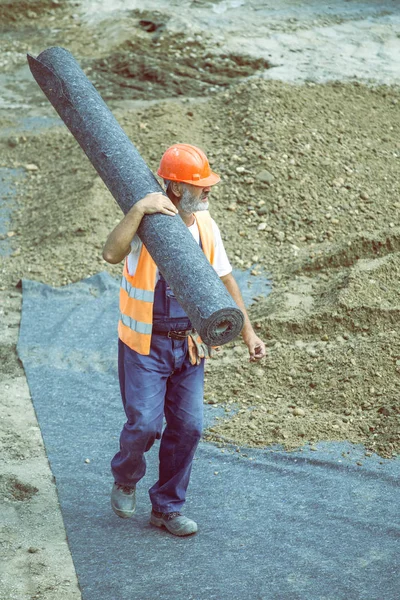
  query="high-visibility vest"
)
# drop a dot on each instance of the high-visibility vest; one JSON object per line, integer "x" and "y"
{"x": 136, "y": 297}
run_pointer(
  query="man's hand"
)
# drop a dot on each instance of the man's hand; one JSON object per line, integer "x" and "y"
{"x": 118, "y": 243}
{"x": 155, "y": 203}
{"x": 255, "y": 345}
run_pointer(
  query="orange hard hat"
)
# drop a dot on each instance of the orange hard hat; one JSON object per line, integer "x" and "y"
{"x": 188, "y": 164}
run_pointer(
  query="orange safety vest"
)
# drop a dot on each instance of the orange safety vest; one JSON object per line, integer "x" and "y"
{"x": 136, "y": 297}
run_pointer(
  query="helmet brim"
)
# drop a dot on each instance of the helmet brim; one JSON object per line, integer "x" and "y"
{"x": 207, "y": 181}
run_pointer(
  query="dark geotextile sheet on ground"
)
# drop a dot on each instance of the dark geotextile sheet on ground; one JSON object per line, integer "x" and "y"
{"x": 285, "y": 526}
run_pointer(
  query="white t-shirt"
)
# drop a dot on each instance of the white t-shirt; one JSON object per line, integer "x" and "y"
{"x": 221, "y": 264}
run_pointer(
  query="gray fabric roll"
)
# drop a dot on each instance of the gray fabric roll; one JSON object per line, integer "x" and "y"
{"x": 196, "y": 285}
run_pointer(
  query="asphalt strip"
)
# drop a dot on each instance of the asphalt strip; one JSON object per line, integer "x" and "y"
{"x": 272, "y": 525}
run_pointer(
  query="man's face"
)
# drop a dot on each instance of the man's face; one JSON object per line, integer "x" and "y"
{"x": 194, "y": 198}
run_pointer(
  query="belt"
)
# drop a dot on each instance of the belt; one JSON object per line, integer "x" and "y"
{"x": 175, "y": 335}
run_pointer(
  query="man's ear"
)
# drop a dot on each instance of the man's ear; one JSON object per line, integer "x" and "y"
{"x": 176, "y": 188}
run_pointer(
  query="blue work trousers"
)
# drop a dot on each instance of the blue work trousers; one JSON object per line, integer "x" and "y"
{"x": 162, "y": 383}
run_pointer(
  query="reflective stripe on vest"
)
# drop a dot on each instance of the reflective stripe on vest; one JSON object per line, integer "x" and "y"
{"x": 143, "y": 295}
{"x": 136, "y": 296}
{"x": 135, "y": 325}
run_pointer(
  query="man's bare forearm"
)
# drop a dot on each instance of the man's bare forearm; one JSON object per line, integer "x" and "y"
{"x": 230, "y": 283}
{"x": 118, "y": 243}
{"x": 255, "y": 346}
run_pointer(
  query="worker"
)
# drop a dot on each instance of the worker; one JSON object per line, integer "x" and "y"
{"x": 160, "y": 357}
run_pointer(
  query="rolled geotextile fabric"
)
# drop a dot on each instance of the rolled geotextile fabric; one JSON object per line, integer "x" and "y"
{"x": 194, "y": 282}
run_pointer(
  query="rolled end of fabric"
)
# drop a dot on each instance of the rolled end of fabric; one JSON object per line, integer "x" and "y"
{"x": 222, "y": 326}
{"x": 45, "y": 77}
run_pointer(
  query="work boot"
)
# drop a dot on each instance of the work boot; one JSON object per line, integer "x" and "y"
{"x": 174, "y": 522}
{"x": 123, "y": 500}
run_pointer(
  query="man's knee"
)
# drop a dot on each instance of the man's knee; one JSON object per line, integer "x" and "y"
{"x": 193, "y": 430}
{"x": 142, "y": 431}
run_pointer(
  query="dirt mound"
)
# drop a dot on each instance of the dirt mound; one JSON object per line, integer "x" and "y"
{"x": 334, "y": 363}
{"x": 345, "y": 254}
{"x": 162, "y": 64}
{"x": 12, "y": 12}
{"x": 356, "y": 299}
{"x": 334, "y": 367}
{"x": 374, "y": 285}
{"x": 341, "y": 388}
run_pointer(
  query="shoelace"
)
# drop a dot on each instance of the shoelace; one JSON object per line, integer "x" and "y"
{"x": 125, "y": 488}
{"x": 172, "y": 515}
{"x": 167, "y": 516}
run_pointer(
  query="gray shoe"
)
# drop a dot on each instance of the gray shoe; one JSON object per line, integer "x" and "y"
{"x": 174, "y": 522}
{"x": 123, "y": 500}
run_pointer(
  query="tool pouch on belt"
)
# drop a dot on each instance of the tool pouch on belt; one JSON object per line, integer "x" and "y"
{"x": 198, "y": 349}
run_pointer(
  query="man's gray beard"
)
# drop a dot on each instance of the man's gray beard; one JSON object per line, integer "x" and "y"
{"x": 189, "y": 204}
